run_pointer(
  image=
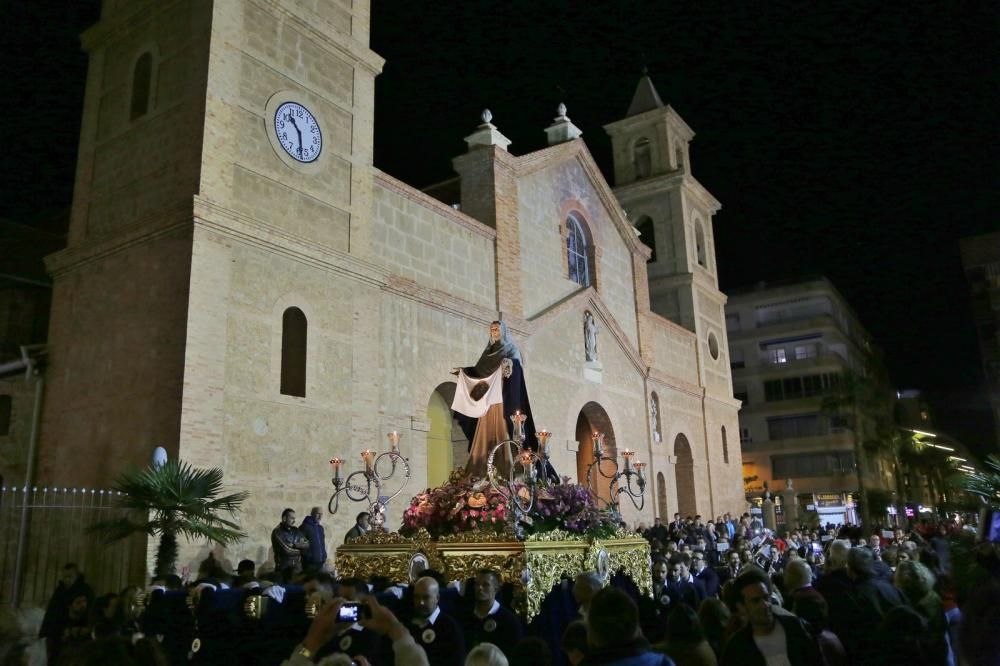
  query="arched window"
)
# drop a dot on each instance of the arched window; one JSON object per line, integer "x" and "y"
{"x": 642, "y": 159}
{"x": 577, "y": 252}
{"x": 699, "y": 243}
{"x": 644, "y": 226}
{"x": 725, "y": 446}
{"x": 679, "y": 156}
{"x": 142, "y": 83}
{"x": 293, "y": 352}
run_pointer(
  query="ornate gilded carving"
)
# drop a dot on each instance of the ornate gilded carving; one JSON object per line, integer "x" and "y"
{"x": 533, "y": 566}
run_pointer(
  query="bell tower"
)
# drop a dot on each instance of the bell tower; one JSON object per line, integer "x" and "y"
{"x": 673, "y": 213}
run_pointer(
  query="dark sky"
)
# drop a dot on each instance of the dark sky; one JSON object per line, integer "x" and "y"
{"x": 852, "y": 139}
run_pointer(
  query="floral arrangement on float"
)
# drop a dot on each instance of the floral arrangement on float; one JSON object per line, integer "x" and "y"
{"x": 468, "y": 504}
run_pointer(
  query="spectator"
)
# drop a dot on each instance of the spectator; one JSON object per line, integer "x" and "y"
{"x": 71, "y": 585}
{"x": 902, "y": 640}
{"x": 813, "y": 611}
{"x": 916, "y": 582}
{"x": 574, "y": 642}
{"x": 288, "y": 543}
{"x": 486, "y": 654}
{"x": 714, "y": 615}
{"x": 768, "y": 638}
{"x": 106, "y": 616}
{"x": 704, "y": 573}
{"x": 361, "y": 526}
{"x": 613, "y": 633}
{"x": 531, "y": 651}
{"x": 798, "y": 584}
{"x": 120, "y": 651}
{"x": 379, "y": 619}
{"x": 682, "y": 586}
{"x": 314, "y": 557}
{"x": 686, "y": 643}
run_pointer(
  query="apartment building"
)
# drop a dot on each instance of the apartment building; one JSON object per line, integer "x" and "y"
{"x": 790, "y": 344}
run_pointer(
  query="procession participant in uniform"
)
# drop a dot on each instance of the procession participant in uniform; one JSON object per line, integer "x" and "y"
{"x": 437, "y": 632}
{"x": 488, "y": 621}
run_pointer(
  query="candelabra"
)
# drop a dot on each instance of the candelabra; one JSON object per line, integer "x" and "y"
{"x": 359, "y": 486}
{"x": 526, "y": 469}
{"x": 620, "y": 480}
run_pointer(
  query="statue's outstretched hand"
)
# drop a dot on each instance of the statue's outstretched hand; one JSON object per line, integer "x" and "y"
{"x": 455, "y": 371}
{"x": 508, "y": 367}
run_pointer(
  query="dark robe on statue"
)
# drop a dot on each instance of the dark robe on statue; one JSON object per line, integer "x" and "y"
{"x": 485, "y": 432}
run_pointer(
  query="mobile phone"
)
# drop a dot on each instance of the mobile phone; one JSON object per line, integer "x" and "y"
{"x": 989, "y": 525}
{"x": 817, "y": 549}
{"x": 349, "y": 612}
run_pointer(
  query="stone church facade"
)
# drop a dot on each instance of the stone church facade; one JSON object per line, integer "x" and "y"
{"x": 246, "y": 308}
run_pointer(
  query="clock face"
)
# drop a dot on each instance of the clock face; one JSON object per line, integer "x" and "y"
{"x": 298, "y": 132}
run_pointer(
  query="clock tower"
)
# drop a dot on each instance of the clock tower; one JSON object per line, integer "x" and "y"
{"x": 224, "y": 171}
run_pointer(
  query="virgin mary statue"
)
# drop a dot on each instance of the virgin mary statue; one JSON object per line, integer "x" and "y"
{"x": 486, "y": 397}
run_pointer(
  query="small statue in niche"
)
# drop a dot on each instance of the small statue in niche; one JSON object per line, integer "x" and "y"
{"x": 590, "y": 336}
{"x": 654, "y": 417}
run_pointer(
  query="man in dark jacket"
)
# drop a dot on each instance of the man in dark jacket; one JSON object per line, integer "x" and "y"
{"x": 613, "y": 633}
{"x": 768, "y": 637}
{"x": 487, "y": 621}
{"x": 314, "y": 557}
{"x": 71, "y": 586}
{"x": 288, "y": 544}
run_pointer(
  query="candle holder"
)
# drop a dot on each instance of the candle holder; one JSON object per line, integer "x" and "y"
{"x": 366, "y": 485}
{"x": 526, "y": 473}
{"x": 620, "y": 480}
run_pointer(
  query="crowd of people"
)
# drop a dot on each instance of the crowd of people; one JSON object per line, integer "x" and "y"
{"x": 724, "y": 592}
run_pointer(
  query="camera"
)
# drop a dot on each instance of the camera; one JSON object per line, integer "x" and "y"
{"x": 352, "y": 611}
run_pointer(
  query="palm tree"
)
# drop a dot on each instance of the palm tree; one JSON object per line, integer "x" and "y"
{"x": 983, "y": 484}
{"x": 174, "y": 499}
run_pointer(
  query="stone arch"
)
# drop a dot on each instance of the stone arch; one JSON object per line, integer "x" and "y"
{"x": 661, "y": 496}
{"x": 593, "y": 418}
{"x": 687, "y": 503}
{"x": 447, "y": 445}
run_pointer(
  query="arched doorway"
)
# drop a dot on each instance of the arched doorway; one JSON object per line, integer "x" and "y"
{"x": 687, "y": 504}
{"x": 661, "y": 496}
{"x": 593, "y": 418}
{"x": 447, "y": 446}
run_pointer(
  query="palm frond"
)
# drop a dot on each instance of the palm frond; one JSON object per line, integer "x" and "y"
{"x": 983, "y": 484}
{"x": 119, "y": 528}
{"x": 181, "y": 499}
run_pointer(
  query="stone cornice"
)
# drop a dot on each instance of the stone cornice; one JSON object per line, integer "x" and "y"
{"x": 138, "y": 232}
{"x": 665, "y": 112}
{"x": 209, "y": 215}
{"x": 441, "y": 301}
{"x": 669, "y": 381}
{"x": 427, "y": 201}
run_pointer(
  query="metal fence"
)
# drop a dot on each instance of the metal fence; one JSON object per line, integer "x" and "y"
{"x": 49, "y": 526}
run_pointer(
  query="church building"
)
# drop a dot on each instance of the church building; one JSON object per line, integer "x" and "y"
{"x": 244, "y": 288}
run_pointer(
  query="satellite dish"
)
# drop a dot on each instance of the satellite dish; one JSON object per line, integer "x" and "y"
{"x": 159, "y": 456}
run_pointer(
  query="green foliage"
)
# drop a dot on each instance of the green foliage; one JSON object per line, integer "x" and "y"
{"x": 982, "y": 484}
{"x": 174, "y": 500}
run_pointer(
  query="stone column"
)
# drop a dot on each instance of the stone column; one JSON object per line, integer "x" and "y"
{"x": 790, "y": 505}
{"x": 769, "y": 517}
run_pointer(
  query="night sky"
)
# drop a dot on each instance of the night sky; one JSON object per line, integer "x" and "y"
{"x": 855, "y": 139}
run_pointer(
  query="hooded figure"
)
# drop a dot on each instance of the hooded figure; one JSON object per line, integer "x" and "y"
{"x": 488, "y": 394}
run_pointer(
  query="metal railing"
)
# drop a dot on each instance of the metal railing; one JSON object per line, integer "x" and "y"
{"x": 54, "y": 523}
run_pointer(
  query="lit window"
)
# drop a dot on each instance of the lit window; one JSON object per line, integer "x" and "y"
{"x": 576, "y": 253}
{"x": 699, "y": 241}
{"x": 776, "y": 356}
{"x": 805, "y": 351}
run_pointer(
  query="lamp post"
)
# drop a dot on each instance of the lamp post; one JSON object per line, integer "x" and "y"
{"x": 366, "y": 485}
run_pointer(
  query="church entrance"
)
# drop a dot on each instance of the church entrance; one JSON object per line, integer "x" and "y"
{"x": 593, "y": 419}
{"x": 687, "y": 505}
{"x": 447, "y": 445}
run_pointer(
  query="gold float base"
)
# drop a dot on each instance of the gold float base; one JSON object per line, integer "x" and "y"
{"x": 532, "y": 566}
